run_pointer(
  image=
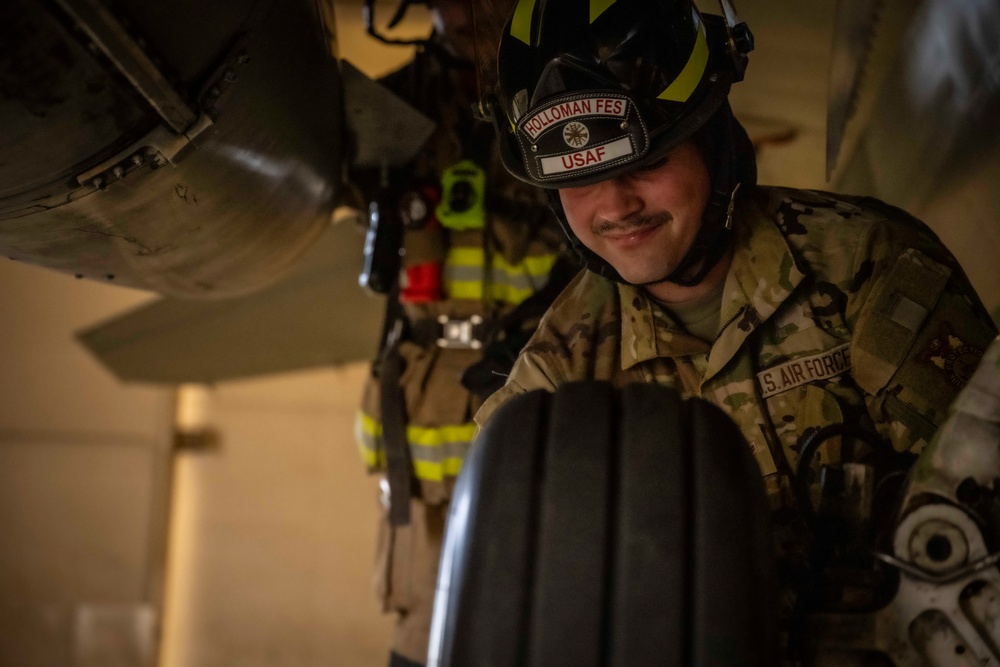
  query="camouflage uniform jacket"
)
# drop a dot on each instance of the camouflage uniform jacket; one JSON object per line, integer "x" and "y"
{"x": 485, "y": 271}
{"x": 835, "y": 309}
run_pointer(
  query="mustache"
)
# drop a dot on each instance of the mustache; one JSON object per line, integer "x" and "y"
{"x": 632, "y": 223}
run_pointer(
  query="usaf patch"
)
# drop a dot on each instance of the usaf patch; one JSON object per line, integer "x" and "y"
{"x": 955, "y": 358}
{"x": 591, "y": 157}
{"x": 798, "y": 372}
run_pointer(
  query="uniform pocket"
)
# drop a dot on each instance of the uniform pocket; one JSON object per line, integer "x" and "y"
{"x": 797, "y": 413}
{"x": 406, "y": 560}
{"x": 391, "y": 577}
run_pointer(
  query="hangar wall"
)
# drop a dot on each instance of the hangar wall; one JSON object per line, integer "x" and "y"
{"x": 273, "y": 532}
{"x": 83, "y": 481}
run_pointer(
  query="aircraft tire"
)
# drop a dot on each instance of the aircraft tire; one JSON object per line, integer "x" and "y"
{"x": 599, "y": 527}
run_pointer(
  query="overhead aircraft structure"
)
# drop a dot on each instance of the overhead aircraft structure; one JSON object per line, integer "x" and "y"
{"x": 179, "y": 147}
{"x": 192, "y": 149}
{"x": 197, "y": 150}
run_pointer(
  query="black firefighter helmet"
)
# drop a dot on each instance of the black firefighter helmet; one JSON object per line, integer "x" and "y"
{"x": 591, "y": 90}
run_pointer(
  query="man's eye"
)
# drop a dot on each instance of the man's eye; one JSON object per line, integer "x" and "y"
{"x": 655, "y": 164}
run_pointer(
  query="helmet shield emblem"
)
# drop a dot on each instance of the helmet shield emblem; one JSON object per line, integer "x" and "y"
{"x": 576, "y": 134}
{"x": 571, "y": 137}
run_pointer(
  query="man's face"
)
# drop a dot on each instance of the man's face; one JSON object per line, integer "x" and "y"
{"x": 644, "y": 222}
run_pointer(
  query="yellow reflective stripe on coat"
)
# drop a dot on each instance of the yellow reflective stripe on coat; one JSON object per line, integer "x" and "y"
{"x": 508, "y": 283}
{"x": 367, "y": 432}
{"x": 520, "y": 22}
{"x": 437, "y": 452}
{"x": 685, "y": 83}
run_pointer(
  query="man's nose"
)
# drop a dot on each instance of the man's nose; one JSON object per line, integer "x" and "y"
{"x": 616, "y": 199}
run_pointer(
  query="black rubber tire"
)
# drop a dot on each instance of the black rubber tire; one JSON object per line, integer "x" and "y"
{"x": 602, "y": 527}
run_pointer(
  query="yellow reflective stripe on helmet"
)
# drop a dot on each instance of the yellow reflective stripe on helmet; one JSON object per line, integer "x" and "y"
{"x": 598, "y": 7}
{"x": 685, "y": 83}
{"x": 520, "y": 23}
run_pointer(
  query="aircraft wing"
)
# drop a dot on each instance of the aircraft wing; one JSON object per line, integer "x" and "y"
{"x": 316, "y": 316}
{"x": 917, "y": 105}
{"x": 854, "y": 29}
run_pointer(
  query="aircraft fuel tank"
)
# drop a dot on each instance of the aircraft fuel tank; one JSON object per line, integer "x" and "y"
{"x": 190, "y": 148}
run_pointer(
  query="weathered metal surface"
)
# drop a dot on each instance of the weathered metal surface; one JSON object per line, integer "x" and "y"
{"x": 109, "y": 36}
{"x": 95, "y": 184}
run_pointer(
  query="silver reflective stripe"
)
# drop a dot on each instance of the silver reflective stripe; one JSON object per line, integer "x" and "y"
{"x": 438, "y": 453}
{"x": 470, "y": 274}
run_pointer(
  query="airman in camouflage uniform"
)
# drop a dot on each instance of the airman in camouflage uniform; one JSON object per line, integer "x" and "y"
{"x": 835, "y": 310}
{"x": 470, "y": 267}
{"x": 791, "y": 310}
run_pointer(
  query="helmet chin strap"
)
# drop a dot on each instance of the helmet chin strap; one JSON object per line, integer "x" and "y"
{"x": 711, "y": 242}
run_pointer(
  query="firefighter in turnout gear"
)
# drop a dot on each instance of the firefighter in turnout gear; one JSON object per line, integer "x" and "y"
{"x": 476, "y": 252}
{"x": 830, "y": 328}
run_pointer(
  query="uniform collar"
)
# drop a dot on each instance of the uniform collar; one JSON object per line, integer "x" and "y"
{"x": 762, "y": 276}
{"x": 648, "y": 331}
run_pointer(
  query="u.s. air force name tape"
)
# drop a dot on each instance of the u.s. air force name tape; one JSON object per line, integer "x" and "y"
{"x": 797, "y": 372}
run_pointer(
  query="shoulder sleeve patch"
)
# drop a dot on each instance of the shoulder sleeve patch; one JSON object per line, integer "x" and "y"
{"x": 955, "y": 358}
{"x": 893, "y": 316}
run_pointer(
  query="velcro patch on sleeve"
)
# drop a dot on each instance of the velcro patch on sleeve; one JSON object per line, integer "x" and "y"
{"x": 798, "y": 372}
{"x": 895, "y": 314}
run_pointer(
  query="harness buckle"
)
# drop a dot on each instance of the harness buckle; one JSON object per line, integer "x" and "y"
{"x": 459, "y": 334}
